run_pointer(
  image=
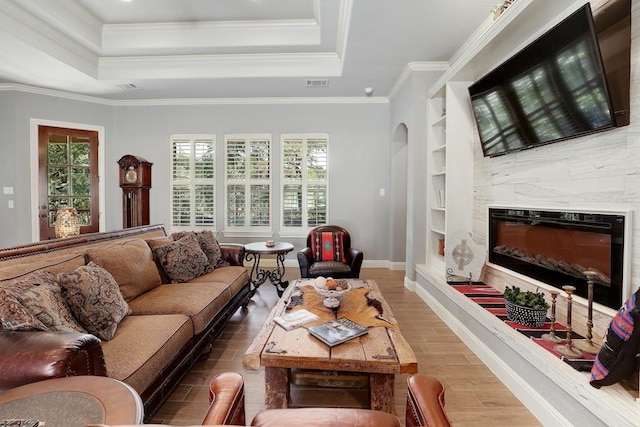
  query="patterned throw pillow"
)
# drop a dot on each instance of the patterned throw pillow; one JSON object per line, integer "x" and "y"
{"x": 328, "y": 246}
{"x": 208, "y": 244}
{"x": 95, "y": 299}
{"x": 183, "y": 259}
{"x": 14, "y": 316}
{"x": 616, "y": 359}
{"x": 41, "y": 295}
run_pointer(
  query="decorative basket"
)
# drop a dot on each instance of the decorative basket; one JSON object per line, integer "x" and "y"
{"x": 525, "y": 316}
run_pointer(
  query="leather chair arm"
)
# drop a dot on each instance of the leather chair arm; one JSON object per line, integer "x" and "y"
{"x": 355, "y": 258}
{"x": 226, "y": 395}
{"x": 233, "y": 253}
{"x": 305, "y": 258}
{"x": 425, "y": 402}
{"x": 27, "y": 357}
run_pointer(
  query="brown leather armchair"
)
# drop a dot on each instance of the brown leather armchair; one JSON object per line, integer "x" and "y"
{"x": 311, "y": 259}
{"x": 425, "y": 407}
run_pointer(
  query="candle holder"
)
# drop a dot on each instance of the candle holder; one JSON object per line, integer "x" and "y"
{"x": 587, "y": 345}
{"x": 551, "y": 336}
{"x": 567, "y": 349}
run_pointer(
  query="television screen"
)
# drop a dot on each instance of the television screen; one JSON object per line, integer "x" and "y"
{"x": 554, "y": 89}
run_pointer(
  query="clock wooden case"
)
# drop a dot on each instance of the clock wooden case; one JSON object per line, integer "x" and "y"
{"x": 135, "y": 181}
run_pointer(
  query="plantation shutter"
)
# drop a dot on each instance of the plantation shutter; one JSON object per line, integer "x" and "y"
{"x": 192, "y": 181}
{"x": 248, "y": 182}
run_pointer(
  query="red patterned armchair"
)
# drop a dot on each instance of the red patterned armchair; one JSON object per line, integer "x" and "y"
{"x": 329, "y": 254}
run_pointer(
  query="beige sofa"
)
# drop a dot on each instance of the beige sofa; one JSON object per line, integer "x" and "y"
{"x": 166, "y": 329}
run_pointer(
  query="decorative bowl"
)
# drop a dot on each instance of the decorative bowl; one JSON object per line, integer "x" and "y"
{"x": 332, "y": 296}
{"x": 525, "y": 316}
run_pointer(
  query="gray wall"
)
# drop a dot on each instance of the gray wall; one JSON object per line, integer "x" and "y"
{"x": 16, "y": 110}
{"x": 358, "y": 155}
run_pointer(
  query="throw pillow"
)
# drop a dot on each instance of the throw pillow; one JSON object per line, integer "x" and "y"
{"x": 183, "y": 260}
{"x": 131, "y": 264}
{"x": 616, "y": 359}
{"x": 41, "y": 295}
{"x": 208, "y": 244}
{"x": 328, "y": 246}
{"x": 95, "y": 299}
{"x": 14, "y": 316}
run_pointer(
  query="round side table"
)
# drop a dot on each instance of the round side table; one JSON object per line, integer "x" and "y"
{"x": 73, "y": 401}
{"x": 254, "y": 251}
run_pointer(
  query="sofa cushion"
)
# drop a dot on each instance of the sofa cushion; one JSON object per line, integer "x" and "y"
{"x": 208, "y": 244}
{"x": 144, "y": 346}
{"x": 183, "y": 259}
{"x": 131, "y": 265}
{"x": 94, "y": 299}
{"x": 53, "y": 262}
{"x": 328, "y": 246}
{"x": 41, "y": 295}
{"x": 235, "y": 277}
{"x": 200, "y": 301}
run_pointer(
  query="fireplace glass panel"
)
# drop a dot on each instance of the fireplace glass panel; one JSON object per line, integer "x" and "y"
{"x": 557, "y": 247}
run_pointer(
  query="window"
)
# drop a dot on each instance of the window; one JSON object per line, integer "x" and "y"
{"x": 248, "y": 183}
{"x": 192, "y": 181}
{"x": 304, "y": 181}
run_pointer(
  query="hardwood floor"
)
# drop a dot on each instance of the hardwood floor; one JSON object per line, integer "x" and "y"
{"x": 474, "y": 396}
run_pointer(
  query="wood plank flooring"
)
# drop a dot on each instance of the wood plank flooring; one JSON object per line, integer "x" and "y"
{"x": 474, "y": 396}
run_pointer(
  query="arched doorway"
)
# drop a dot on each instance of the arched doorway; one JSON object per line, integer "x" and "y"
{"x": 399, "y": 148}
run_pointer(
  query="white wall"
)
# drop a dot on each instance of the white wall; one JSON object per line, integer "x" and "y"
{"x": 358, "y": 155}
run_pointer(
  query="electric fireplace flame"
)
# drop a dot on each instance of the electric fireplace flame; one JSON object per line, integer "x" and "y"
{"x": 556, "y": 248}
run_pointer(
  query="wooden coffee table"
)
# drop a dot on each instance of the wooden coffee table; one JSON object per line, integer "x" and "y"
{"x": 380, "y": 354}
{"x": 73, "y": 401}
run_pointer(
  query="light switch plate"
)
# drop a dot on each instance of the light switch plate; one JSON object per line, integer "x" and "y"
{"x": 7, "y": 190}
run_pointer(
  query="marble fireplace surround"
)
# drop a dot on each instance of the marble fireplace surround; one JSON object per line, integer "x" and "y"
{"x": 552, "y": 390}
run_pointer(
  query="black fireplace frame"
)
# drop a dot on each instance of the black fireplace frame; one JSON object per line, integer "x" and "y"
{"x": 614, "y": 224}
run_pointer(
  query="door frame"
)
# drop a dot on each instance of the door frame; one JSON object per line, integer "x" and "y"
{"x": 33, "y": 139}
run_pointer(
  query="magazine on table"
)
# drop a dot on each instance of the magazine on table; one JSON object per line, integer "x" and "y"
{"x": 295, "y": 319}
{"x": 337, "y": 331}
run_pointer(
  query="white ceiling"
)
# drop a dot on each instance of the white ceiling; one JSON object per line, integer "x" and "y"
{"x": 228, "y": 48}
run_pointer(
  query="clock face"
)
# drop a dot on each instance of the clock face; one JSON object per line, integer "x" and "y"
{"x": 131, "y": 176}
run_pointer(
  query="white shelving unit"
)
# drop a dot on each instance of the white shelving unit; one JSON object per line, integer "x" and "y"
{"x": 437, "y": 176}
{"x": 450, "y": 169}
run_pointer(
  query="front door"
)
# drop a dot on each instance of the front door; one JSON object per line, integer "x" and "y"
{"x": 68, "y": 176}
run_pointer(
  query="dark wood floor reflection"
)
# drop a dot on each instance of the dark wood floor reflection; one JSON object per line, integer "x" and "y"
{"x": 474, "y": 396}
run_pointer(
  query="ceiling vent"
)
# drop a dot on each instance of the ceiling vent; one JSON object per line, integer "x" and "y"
{"x": 317, "y": 83}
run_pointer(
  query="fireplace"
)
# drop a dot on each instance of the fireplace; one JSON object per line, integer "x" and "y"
{"x": 556, "y": 247}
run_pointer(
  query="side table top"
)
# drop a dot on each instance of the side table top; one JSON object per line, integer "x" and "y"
{"x": 73, "y": 401}
{"x": 262, "y": 248}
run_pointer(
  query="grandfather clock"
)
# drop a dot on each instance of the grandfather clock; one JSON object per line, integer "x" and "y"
{"x": 135, "y": 181}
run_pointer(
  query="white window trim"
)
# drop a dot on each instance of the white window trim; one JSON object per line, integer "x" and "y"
{"x": 192, "y": 182}
{"x": 303, "y": 230}
{"x": 248, "y": 230}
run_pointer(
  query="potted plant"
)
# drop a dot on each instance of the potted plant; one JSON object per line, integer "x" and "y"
{"x": 525, "y": 308}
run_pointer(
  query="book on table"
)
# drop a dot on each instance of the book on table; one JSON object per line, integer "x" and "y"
{"x": 295, "y": 319}
{"x": 337, "y": 331}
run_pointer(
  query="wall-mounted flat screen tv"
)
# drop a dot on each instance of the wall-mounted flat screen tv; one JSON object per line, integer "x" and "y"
{"x": 554, "y": 89}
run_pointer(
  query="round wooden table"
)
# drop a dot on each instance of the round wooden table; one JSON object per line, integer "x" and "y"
{"x": 254, "y": 251}
{"x": 73, "y": 401}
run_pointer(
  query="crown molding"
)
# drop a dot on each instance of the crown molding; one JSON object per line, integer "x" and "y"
{"x": 413, "y": 67}
{"x": 324, "y": 64}
{"x": 121, "y": 39}
{"x": 8, "y": 87}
